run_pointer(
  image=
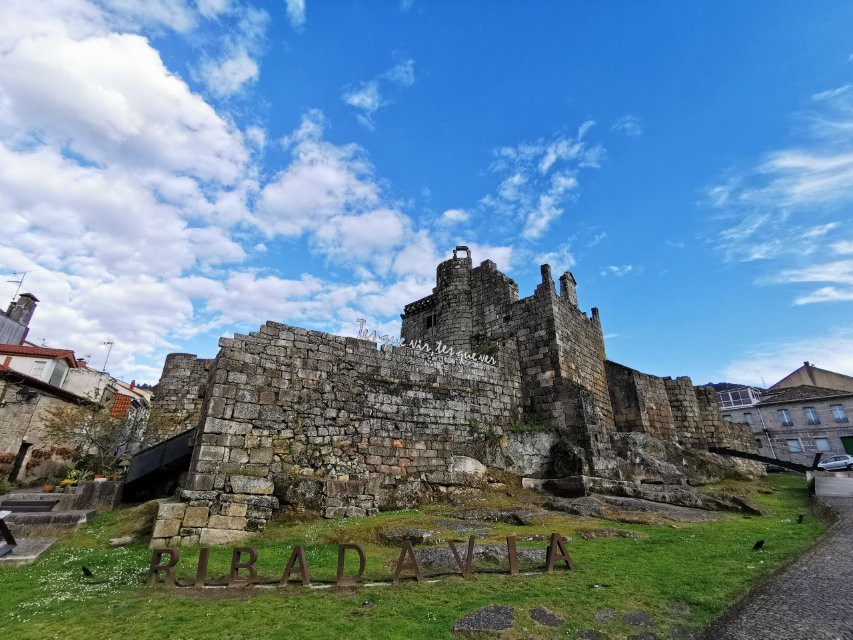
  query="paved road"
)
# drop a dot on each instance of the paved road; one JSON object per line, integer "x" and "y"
{"x": 812, "y": 599}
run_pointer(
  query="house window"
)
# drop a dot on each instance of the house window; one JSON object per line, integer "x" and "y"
{"x": 747, "y": 418}
{"x": 794, "y": 445}
{"x": 785, "y": 418}
{"x": 727, "y": 418}
{"x": 811, "y": 415}
{"x": 822, "y": 444}
{"x": 838, "y": 412}
{"x": 59, "y": 370}
{"x": 759, "y": 443}
{"x": 38, "y": 368}
{"x": 430, "y": 320}
{"x": 738, "y": 398}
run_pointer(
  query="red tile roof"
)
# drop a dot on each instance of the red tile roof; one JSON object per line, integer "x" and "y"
{"x": 38, "y": 352}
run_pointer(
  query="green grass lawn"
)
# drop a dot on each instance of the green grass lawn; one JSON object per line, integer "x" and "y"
{"x": 705, "y": 566}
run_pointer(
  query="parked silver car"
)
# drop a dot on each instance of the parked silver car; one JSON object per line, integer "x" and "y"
{"x": 836, "y": 463}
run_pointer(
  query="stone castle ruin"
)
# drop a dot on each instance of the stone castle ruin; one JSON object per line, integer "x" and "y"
{"x": 297, "y": 419}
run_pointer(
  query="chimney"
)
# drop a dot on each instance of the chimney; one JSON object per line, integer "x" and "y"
{"x": 132, "y": 384}
{"x": 806, "y": 363}
{"x": 21, "y": 311}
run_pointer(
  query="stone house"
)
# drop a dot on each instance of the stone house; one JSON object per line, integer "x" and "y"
{"x": 35, "y": 379}
{"x": 814, "y": 376}
{"x": 286, "y": 416}
{"x": 794, "y": 423}
{"x": 26, "y": 449}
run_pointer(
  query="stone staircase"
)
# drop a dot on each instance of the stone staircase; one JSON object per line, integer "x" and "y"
{"x": 38, "y": 519}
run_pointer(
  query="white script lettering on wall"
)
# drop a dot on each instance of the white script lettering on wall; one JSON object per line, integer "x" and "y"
{"x": 438, "y": 349}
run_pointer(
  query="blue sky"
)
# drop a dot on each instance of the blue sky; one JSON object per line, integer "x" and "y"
{"x": 176, "y": 170}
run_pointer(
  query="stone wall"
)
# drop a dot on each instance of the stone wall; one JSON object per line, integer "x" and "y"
{"x": 289, "y": 416}
{"x": 178, "y": 397}
{"x": 560, "y": 349}
{"x": 24, "y": 422}
{"x": 640, "y": 402}
{"x": 672, "y": 410}
{"x": 356, "y": 429}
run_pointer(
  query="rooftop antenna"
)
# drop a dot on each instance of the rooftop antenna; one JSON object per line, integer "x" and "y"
{"x": 108, "y": 343}
{"x": 19, "y": 282}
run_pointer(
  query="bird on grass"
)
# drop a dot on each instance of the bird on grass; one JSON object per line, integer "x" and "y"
{"x": 758, "y": 545}
{"x": 87, "y": 572}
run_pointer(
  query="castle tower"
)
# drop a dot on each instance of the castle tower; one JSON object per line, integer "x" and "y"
{"x": 447, "y": 314}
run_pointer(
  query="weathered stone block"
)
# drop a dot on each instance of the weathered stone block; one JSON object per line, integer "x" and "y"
{"x": 234, "y": 510}
{"x": 227, "y": 522}
{"x": 260, "y": 456}
{"x": 170, "y": 510}
{"x": 251, "y": 484}
{"x": 196, "y": 517}
{"x": 222, "y": 536}
{"x": 166, "y": 528}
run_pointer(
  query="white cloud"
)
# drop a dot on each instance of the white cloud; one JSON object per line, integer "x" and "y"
{"x": 296, "y": 13}
{"x": 831, "y": 93}
{"x": 76, "y": 93}
{"x": 561, "y": 260}
{"x": 236, "y": 67}
{"x": 616, "y": 270}
{"x": 840, "y": 271}
{"x": 629, "y": 125}
{"x": 844, "y": 247}
{"x": 322, "y": 181}
{"x": 826, "y": 294}
{"x": 402, "y": 73}
{"x": 369, "y": 96}
{"x": 454, "y": 216}
{"x": 367, "y": 99}
{"x": 227, "y": 77}
{"x": 769, "y": 363}
{"x": 779, "y": 207}
{"x": 539, "y": 179}
{"x": 174, "y": 14}
{"x": 134, "y": 205}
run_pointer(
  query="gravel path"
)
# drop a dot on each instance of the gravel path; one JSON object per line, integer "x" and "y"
{"x": 812, "y": 599}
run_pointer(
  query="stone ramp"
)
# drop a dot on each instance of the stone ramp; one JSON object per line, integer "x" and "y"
{"x": 26, "y": 551}
{"x": 811, "y": 598}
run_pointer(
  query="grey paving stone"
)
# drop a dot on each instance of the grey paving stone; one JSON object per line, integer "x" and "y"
{"x": 592, "y": 634}
{"x": 638, "y": 619}
{"x": 494, "y": 618}
{"x": 545, "y": 617}
{"x": 678, "y": 607}
{"x": 605, "y": 615}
